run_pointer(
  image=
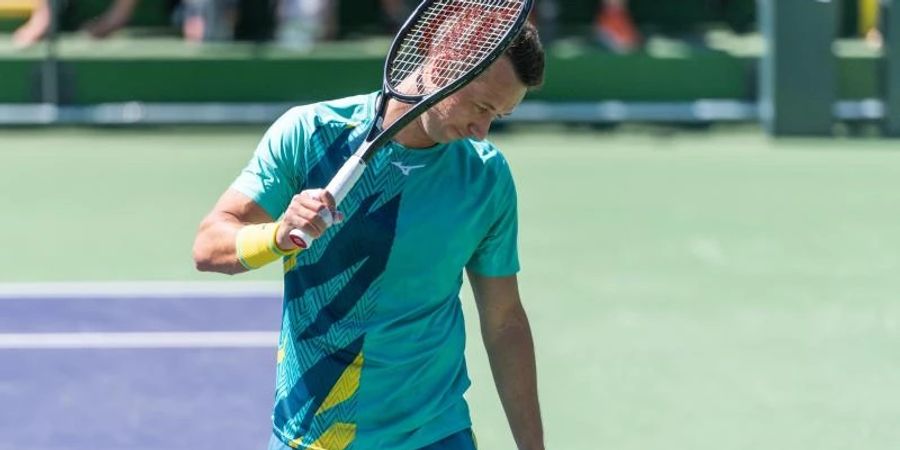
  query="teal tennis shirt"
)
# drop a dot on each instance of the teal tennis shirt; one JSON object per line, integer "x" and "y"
{"x": 371, "y": 348}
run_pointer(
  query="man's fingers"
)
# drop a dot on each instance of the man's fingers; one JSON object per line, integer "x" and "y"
{"x": 322, "y": 196}
{"x": 326, "y": 198}
{"x": 312, "y": 222}
{"x": 314, "y": 212}
{"x": 311, "y": 204}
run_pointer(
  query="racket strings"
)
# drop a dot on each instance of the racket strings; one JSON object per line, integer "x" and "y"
{"x": 451, "y": 37}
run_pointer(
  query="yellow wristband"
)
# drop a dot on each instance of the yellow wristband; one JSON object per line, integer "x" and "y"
{"x": 255, "y": 245}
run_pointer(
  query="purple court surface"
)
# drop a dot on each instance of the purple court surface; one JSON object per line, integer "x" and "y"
{"x": 141, "y": 367}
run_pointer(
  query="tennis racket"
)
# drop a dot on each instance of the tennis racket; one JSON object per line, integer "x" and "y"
{"x": 442, "y": 47}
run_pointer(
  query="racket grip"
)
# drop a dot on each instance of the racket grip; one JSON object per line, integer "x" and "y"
{"x": 303, "y": 240}
{"x": 339, "y": 186}
{"x": 300, "y": 239}
{"x": 346, "y": 178}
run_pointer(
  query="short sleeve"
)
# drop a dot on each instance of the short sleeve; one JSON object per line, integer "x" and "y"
{"x": 275, "y": 172}
{"x": 497, "y": 254}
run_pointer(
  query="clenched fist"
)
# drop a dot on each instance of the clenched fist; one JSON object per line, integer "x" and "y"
{"x": 312, "y": 212}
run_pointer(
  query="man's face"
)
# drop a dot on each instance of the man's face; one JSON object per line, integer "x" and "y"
{"x": 470, "y": 111}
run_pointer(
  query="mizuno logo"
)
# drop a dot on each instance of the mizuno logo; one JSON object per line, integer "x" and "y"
{"x": 406, "y": 169}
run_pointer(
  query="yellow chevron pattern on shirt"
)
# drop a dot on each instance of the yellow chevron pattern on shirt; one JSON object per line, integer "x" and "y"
{"x": 337, "y": 437}
{"x": 346, "y": 385}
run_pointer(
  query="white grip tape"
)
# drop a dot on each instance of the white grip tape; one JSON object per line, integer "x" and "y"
{"x": 346, "y": 178}
{"x": 301, "y": 239}
{"x": 304, "y": 240}
{"x": 339, "y": 186}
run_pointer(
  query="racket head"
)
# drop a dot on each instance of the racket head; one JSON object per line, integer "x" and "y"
{"x": 445, "y": 44}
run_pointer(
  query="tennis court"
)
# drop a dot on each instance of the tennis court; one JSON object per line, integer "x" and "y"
{"x": 136, "y": 367}
{"x": 687, "y": 289}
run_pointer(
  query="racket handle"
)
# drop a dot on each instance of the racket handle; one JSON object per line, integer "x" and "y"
{"x": 300, "y": 239}
{"x": 346, "y": 178}
{"x": 338, "y": 187}
{"x": 303, "y": 240}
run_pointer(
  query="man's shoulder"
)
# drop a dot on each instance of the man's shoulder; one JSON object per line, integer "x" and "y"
{"x": 483, "y": 154}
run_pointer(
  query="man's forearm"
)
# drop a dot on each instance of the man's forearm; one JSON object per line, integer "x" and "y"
{"x": 511, "y": 353}
{"x": 214, "y": 249}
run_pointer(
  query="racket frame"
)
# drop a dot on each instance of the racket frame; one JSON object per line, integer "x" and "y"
{"x": 377, "y": 136}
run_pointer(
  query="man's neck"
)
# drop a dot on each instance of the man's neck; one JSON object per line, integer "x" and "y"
{"x": 412, "y": 135}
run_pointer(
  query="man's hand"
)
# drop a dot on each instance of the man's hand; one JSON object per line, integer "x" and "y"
{"x": 312, "y": 212}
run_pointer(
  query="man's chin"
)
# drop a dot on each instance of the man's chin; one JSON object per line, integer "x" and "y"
{"x": 442, "y": 139}
{"x": 452, "y": 134}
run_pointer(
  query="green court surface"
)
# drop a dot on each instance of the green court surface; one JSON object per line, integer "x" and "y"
{"x": 687, "y": 290}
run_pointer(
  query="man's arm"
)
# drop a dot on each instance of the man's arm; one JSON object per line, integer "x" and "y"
{"x": 214, "y": 249}
{"x": 510, "y": 349}
{"x": 214, "y": 246}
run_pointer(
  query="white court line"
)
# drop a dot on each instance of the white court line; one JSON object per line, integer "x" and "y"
{"x": 140, "y": 340}
{"x": 140, "y": 289}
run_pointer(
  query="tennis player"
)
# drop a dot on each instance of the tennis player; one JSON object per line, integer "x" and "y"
{"x": 371, "y": 348}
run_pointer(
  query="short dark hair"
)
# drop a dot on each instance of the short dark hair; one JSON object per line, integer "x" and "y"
{"x": 527, "y": 56}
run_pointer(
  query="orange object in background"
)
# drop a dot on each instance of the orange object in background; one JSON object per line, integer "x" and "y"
{"x": 16, "y": 8}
